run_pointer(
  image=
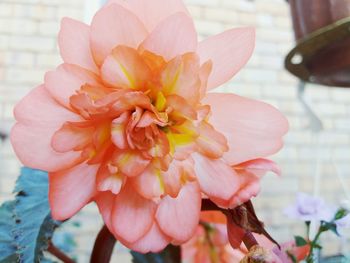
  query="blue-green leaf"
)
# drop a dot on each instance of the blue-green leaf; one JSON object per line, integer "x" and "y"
{"x": 7, "y": 223}
{"x": 35, "y": 226}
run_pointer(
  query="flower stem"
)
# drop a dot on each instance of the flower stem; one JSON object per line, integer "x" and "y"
{"x": 59, "y": 254}
{"x": 103, "y": 248}
{"x": 249, "y": 240}
{"x": 310, "y": 257}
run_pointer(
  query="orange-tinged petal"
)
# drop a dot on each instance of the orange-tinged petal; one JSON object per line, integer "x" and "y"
{"x": 130, "y": 163}
{"x": 132, "y": 215}
{"x": 250, "y": 173}
{"x": 150, "y": 183}
{"x": 181, "y": 108}
{"x": 74, "y": 43}
{"x": 172, "y": 178}
{"x": 161, "y": 146}
{"x": 178, "y": 217}
{"x": 66, "y": 80}
{"x": 174, "y": 36}
{"x": 72, "y": 189}
{"x": 229, "y": 52}
{"x": 216, "y": 178}
{"x": 31, "y": 137}
{"x": 210, "y": 142}
{"x": 181, "y": 77}
{"x": 152, "y": 12}
{"x": 118, "y": 130}
{"x": 108, "y": 179}
{"x": 125, "y": 68}
{"x": 204, "y": 73}
{"x": 154, "y": 241}
{"x": 70, "y": 138}
{"x": 215, "y": 217}
{"x": 105, "y": 202}
{"x": 250, "y": 187}
{"x": 113, "y": 26}
{"x": 258, "y": 167}
{"x": 253, "y": 129}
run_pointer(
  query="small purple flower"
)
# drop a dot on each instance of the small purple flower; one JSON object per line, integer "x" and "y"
{"x": 342, "y": 224}
{"x": 310, "y": 208}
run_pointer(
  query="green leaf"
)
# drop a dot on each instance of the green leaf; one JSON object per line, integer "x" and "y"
{"x": 330, "y": 226}
{"x": 7, "y": 223}
{"x": 171, "y": 254}
{"x": 35, "y": 226}
{"x": 318, "y": 246}
{"x": 341, "y": 213}
{"x": 300, "y": 241}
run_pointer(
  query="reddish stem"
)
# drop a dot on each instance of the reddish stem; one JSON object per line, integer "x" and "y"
{"x": 249, "y": 240}
{"x": 59, "y": 254}
{"x": 103, "y": 248}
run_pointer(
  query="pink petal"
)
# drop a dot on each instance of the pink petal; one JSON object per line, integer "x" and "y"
{"x": 150, "y": 183}
{"x": 108, "y": 180}
{"x": 172, "y": 178}
{"x": 259, "y": 167}
{"x": 70, "y": 138}
{"x": 229, "y": 52}
{"x": 250, "y": 188}
{"x": 178, "y": 217}
{"x": 105, "y": 202}
{"x": 216, "y": 178}
{"x": 132, "y": 215}
{"x": 250, "y": 173}
{"x": 151, "y": 12}
{"x": 181, "y": 77}
{"x": 125, "y": 68}
{"x": 118, "y": 130}
{"x": 113, "y": 26}
{"x": 70, "y": 190}
{"x": 204, "y": 74}
{"x": 66, "y": 80}
{"x": 131, "y": 163}
{"x": 210, "y": 142}
{"x": 39, "y": 118}
{"x": 74, "y": 43}
{"x": 154, "y": 241}
{"x": 253, "y": 129}
{"x": 174, "y": 36}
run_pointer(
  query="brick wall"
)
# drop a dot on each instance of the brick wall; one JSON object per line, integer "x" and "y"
{"x": 28, "y": 30}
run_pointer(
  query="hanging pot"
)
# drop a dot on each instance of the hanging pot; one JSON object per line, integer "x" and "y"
{"x": 322, "y": 31}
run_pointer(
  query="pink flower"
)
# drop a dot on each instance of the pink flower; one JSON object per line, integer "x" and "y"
{"x": 126, "y": 121}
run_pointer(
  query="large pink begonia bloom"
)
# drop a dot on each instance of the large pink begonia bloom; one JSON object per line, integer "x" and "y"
{"x": 126, "y": 121}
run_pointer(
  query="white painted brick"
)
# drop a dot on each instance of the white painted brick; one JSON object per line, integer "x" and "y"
{"x": 32, "y": 43}
{"x": 4, "y": 41}
{"x": 49, "y": 28}
{"x": 36, "y": 12}
{"x": 260, "y": 75}
{"x": 48, "y": 61}
{"x": 208, "y": 28}
{"x": 6, "y": 10}
{"x": 20, "y": 59}
{"x": 18, "y": 75}
{"x": 220, "y": 15}
{"x": 195, "y": 11}
{"x": 207, "y": 3}
{"x": 265, "y": 20}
